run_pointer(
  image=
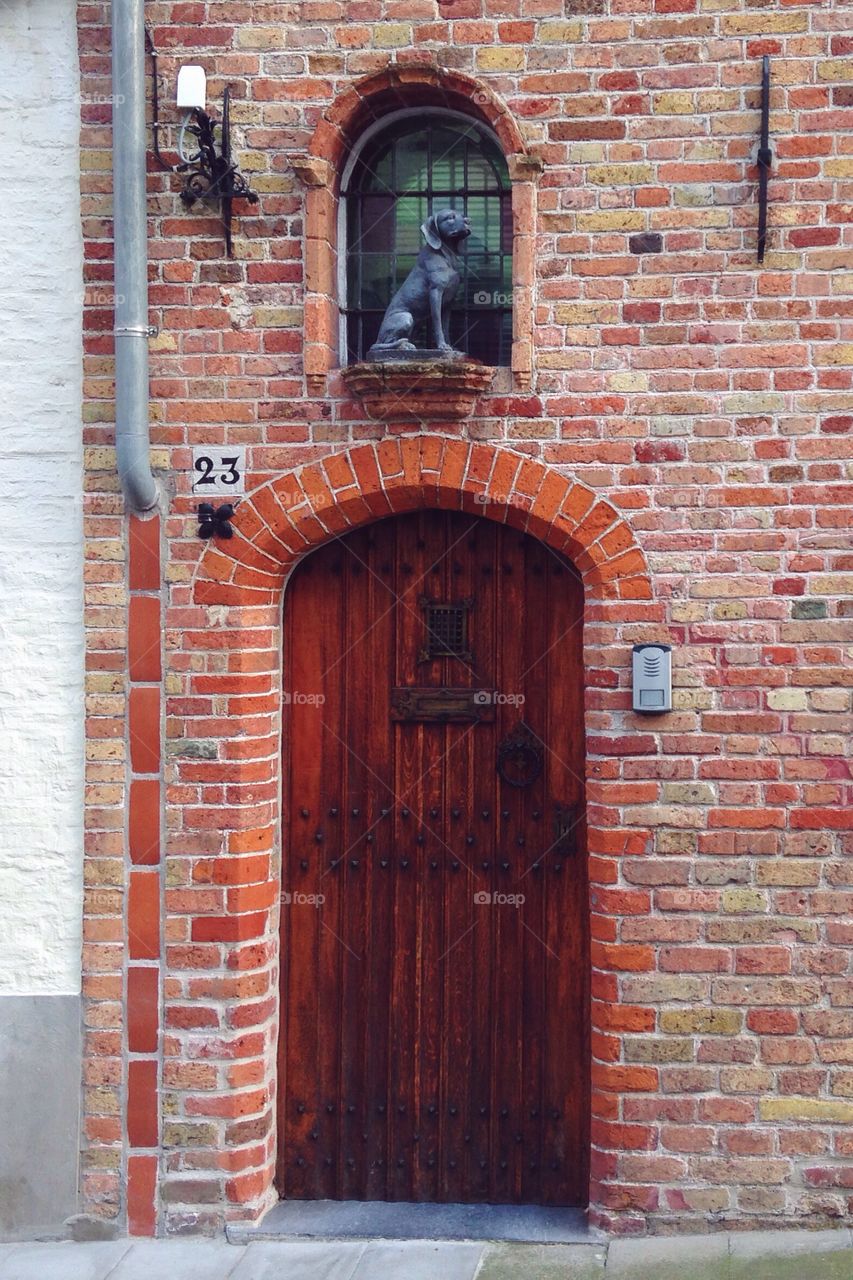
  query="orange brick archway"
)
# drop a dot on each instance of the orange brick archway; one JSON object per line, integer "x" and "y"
{"x": 291, "y": 515}
{"x": 223, "y": 806}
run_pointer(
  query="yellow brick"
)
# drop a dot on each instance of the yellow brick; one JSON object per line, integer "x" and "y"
{"x": 392, "y": 35}
{"x": 163, "y": 342}
{"x": 104, "y": 682}
{"x": 251, "y": 37}
{"x": 836, "y": 69}
{"x": 710, "y": 100}
{"x": 820, "y": 1110}
{"x": 763, "y": 24}
{"x": 841, "y": 354}
{"x": 627, "y": 382}
{"x": 99, "y": 458}
{"x": 278, "y": 317}
{"x": 688, "y": 612}
{"x": 500, "y": 58}
{"x": 557, "y": 360}
{"x": 620, "y": 175}
{"x": 787, "y": 699}
{"x": 838, "y": 168}
{"x": 269, "y": 183}
{"x": 254, "y": 160}
{"x": 95, "y": 160}
{"x": 735, "y": 901}
{"x": 104, "y": 549}
{"x": 731, "y": 611}
{"x": 672, "y": 104}
{"x": 612, "y": 220}
{"x": 98, "y": 412}
{"x": 793, "y": 872}
{"x": 587, "y": 152}
{"x": 721, "y": 1022}
{"x": 560, "y": 32}
{"x": 159, "y": 459}
{"x": 586, "y": 313}
{"x": 104, "y": 750}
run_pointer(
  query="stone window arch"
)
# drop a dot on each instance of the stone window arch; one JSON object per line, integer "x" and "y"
{"x": 403, "y": 168}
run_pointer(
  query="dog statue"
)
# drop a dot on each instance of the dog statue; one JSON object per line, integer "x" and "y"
{"x": 427, "y": 291}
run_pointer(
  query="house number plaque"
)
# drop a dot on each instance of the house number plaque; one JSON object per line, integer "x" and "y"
{"x": 219, "y": 470}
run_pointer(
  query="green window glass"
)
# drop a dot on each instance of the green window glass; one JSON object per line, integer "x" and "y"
{"x": 416, "y": 166}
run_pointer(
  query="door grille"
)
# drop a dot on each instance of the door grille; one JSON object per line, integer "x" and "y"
{"x": 446, "y": 630}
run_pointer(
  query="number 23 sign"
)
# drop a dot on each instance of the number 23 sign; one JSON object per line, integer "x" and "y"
{"x": 219, "y": 470}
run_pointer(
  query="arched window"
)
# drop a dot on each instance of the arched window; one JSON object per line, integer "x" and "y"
{"x": 408, "y": 166}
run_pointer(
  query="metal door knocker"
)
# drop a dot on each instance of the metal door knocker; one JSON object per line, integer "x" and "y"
{"x": 520, "y": 757}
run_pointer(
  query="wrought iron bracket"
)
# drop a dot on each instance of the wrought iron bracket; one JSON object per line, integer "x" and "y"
{"x": 212, "y": 176}
{"x": 764, "y": 158}
{"x": 215, "y": 522}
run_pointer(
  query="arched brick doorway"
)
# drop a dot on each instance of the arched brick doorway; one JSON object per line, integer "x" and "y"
{"x": 234, "y": 653}
{"x": 434, "y": 1041}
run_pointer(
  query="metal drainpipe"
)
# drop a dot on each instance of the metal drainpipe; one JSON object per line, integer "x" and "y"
{"x": 131, "y": 254}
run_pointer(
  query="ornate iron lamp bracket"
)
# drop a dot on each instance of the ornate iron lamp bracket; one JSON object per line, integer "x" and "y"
{"x": 212, "y": 175}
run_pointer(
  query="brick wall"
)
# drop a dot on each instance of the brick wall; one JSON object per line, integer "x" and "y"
{"x": 702, "y": 403}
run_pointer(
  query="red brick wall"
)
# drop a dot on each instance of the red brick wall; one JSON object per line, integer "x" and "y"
{"x": 706, "y": 403}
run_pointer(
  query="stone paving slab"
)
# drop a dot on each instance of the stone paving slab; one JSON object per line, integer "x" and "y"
{"x": 543, "y": 1262}
{"x": 668, "y": 1258}
{"x": 299, "y": 1261}
{"x": 182, "y": 1259}
{"x": 408, "y": 1260}
{"x": 791, "y": 1255}
{"x": 66, "y": 1261}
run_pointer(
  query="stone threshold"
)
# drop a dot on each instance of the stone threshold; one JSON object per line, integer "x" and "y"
{"x": 384, "y": 1220}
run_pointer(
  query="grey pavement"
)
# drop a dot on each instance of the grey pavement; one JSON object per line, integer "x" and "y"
{"x": 766, "y": 1255}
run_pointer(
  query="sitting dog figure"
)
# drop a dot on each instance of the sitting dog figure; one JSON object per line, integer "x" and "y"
{"x": 428, "y": 289}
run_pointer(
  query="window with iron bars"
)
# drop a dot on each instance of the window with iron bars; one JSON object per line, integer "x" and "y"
{"x": 416, "y": 166}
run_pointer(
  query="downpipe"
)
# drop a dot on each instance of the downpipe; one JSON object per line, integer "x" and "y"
{"x": 130, "y": 239}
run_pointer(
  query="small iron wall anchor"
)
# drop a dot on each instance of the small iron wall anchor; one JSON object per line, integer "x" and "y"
{"x": 764, "y": 157}
{"x": 215, "y": 522}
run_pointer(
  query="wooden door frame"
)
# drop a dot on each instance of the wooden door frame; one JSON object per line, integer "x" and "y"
{"x": 238, "y": 596}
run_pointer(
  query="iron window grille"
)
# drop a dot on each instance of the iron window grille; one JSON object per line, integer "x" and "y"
{"x": 446, "y": 627}
{"x": 414, "y": 167}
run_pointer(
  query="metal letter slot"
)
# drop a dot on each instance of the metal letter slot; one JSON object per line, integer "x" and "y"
{"x": 443, "y": 706}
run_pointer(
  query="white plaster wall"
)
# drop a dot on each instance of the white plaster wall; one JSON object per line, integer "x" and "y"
{"x": 41, "y": 547}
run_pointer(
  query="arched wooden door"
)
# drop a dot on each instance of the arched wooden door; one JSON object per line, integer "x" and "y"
{"x": 434, "y": 976}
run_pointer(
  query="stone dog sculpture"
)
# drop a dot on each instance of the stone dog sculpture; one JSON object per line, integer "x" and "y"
{"x": 427, "y": 291}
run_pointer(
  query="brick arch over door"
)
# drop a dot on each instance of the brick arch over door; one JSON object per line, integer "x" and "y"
{"x": 232, "y": 832}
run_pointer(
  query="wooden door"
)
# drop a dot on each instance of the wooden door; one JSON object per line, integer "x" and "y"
{"x": 434, "y": 1041}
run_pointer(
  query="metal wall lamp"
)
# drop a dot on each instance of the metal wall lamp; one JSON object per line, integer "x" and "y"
{"x": 211, "y": 174}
